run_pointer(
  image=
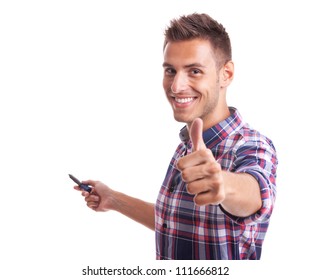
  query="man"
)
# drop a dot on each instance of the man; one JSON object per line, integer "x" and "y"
{"x": 218, "y": 194}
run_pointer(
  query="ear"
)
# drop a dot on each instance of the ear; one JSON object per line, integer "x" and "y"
{"x": 226, "y": 74}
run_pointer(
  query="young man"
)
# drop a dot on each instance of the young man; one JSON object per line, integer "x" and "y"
{"x": 219, "y": 190}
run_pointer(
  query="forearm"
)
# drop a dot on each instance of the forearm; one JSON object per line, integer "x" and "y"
{"x": 136, "y": 209}
{"x": 242, "y": 194}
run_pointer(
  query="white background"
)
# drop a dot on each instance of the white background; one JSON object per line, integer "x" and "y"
{"x": 81, "y": 93}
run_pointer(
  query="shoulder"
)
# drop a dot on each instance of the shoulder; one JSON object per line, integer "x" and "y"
{"x": 249, "y": 137}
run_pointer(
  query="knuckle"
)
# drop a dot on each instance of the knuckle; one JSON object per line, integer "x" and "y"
{"x": 179, "y": 164}
{"x": 198, "y": 201}
{"x": 217, "y": 166}
{"x": 190, "y": 189}
{"x": 185, "y": 175}
{"x": 217, "y": 182}
{"x": 209, "y": 169}
{"x": 204, "y": 153}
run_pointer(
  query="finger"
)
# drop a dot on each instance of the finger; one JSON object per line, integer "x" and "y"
{"x": 209, "y": 197}
{"x": 91, "y": 198}
{"x": 85, "y": 193}
{"x": 195, "y": 159}
{"x": 214, "y": 184}
{"x": 208, "y": 170}
{"x": 81, "y": 190}
{"x": 77, "y": 188}
{"x": 208, "y": 190}
{"x": 92, "y": 205}
{"x": 196, "y": 131}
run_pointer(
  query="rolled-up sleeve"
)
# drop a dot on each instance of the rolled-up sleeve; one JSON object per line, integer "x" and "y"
{"x": 259, "y": 159}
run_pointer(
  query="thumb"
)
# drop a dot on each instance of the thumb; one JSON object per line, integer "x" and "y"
{"x": 196, "y": 137}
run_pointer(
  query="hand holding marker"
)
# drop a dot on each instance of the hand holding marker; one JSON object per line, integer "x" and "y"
{"x": 84, "y": 187}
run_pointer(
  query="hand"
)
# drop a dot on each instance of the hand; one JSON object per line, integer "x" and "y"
{"x": 100, "y": 198}
{"x": 200, "y": 170}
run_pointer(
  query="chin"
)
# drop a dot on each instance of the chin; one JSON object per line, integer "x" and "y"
{"x": 183, "y": 119}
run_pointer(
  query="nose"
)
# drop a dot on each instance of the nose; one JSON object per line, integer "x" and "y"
{"x": 180, "y": 83}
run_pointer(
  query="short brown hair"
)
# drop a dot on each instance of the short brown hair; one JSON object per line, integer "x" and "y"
{"x": 201, "y": 26}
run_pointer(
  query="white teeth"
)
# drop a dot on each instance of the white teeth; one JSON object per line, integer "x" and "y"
{"x": 183, "y": 100}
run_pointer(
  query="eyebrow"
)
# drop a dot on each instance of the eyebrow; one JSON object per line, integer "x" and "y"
{"x": 165, "y": 64}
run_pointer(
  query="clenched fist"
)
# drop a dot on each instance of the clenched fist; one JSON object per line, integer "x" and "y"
{"x": 201, "y": 171}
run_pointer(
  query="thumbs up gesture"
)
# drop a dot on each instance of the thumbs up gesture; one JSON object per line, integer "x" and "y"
{"x": 200, "y": 170}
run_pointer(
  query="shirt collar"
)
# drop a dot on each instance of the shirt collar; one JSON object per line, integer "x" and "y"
{"x": 218, "y": 132}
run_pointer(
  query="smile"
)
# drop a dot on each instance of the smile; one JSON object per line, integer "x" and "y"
{"x": 184, "y": 100}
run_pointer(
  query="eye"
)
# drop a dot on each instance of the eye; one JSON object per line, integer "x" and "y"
{"x": 169, "y": 71}
{"x": 195, "y": 71}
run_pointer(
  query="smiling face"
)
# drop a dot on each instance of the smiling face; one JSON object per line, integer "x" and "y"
{"x": 193, "y": 84}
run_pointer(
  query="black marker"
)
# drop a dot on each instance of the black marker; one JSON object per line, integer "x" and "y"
{"x": 82, "y": 186}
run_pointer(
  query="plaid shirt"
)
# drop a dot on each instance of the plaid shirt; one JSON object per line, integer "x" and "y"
{"x": 187, "y": 231}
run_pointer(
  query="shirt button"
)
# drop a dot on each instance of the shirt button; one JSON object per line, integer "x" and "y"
{"x": 171, "y": 189}
{"x": 164, "y": 225}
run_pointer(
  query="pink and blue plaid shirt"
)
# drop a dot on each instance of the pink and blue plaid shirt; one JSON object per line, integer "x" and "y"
{"x": 186, "y": 231}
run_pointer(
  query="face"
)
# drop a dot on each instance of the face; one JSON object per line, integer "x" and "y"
{"x": 192, "y": 83}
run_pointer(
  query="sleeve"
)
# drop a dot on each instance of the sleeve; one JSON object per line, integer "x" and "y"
{"x": 259, "y": 159}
